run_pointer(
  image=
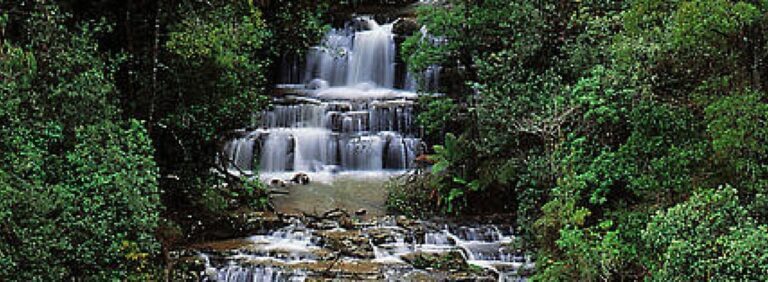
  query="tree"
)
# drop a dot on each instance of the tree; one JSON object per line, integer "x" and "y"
{"x": 78, "y": 183}
{"x": 589, "y": 117}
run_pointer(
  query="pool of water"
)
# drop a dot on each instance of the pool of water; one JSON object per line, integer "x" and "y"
{"x": 351, "y": 191}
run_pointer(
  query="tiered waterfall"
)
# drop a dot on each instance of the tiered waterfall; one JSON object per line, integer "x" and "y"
{"x": 346, "y": 115}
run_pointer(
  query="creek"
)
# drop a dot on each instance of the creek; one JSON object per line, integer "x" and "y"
{"x": 346, "y": 121}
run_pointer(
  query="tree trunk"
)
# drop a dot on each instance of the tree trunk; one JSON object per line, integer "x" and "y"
{"x": 155, "y": 63}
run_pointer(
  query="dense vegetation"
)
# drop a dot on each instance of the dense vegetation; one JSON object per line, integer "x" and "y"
{"x": 112, "y": 111}
{"x": 629, "y": 138}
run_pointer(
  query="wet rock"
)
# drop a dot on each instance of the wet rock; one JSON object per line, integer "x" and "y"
{"x": 360, "y": 24}
{"x": 240, "y": 223}
{"x": 211, "y": 273}
{"x": 348, "y": 243}
{"x": 376, "y": 248}
{"x": 441, "y": 261}
{"x": 324, "y": 254}
{"x": 289, "y": 253}
{"x": 300, "y": 178}
{"x": 405, "y": 222}
{"x": 361, "y": 212}
{"x": 317, "y": 83}
{"x": 380, "y": 236}
{"x": 275, "y": 182}
{"x": 261, "y": 221}
{"x": 406, "y": 27}
{"x": 347, "y": 222}
{"x": 223, "y": 248}
{"x": 335, "y": 214}
{"x": 356, "y": 270}
{"x": 472, "y": 276}
{"x": 450, "y": 264}
{"x": 422, "y": 276}
{"x": 324, "y": 224}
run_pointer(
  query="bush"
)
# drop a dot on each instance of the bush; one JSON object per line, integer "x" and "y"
{"x": 708, "y": 237}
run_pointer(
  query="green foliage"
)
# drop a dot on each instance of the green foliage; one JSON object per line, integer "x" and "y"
{"x": 596, "y": 115}
{"x": 112, "y": 184}
{"x": 596, "y": 253}
{"x": 437, "y": 114}
{"x": 737, "y": 126}
{"x": 296, "y": 25}
{"x": 224, "y": 49}
{"x": 220, "y": 37}
{"x": 78, "y": 183}
{"x": 413, "y": 195}
{"x": 222, "y": 52}
{"x": 452, "y": 182}
{"x": 708, "y": 237}
{"x": 466, "y": 31}
{"x": 599, "y": 123}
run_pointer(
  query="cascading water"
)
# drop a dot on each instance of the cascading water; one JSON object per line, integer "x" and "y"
{"x": 373, "y": 56}
{"x": 300, "y": 252}
{"x": 347, "y": 117}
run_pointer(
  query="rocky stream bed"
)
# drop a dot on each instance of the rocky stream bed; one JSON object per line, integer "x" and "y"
{"x": 339, "y": 245}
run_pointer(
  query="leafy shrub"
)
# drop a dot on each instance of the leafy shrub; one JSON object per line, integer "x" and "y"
{"x": 708, "y": 237}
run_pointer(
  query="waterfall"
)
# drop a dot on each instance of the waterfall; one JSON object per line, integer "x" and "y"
{"x": 349, "y": 56}
{"x": 328, "y": 61}
{"x": 347, "y": 116}
{"x": 373, "y": 56}
{"x": 277, "y": 151}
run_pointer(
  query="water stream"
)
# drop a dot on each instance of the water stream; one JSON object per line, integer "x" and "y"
{"x": 382, "y": 250}
{"x": 348, "y": 126}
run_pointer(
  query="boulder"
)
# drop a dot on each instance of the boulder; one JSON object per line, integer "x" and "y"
{"x": 443, "y": 261}
{"x": 348, "y": 243}
{"x": 335, "y": 214}
{"x": 212, "y": 273}
{"x": 300, "y": 178}
{"x": 379, "y": 236}
{"x": 406, "y": 27}
{"x": 276, "y": 182}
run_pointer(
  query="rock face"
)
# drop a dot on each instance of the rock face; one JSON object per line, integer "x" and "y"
{"x": 382, "y": 10}
{"x": 406, "y": 27}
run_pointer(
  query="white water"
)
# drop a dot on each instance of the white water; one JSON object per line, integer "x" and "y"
{"x": 353, "y": 120}
{"x": 359, "y": 53}
{"x": 348, "y": 118}
{"x": 272, "y": 257}
{"x": 373, "y": 56}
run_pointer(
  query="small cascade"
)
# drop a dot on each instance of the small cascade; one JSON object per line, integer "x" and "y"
{"x": 301, "y": 252}
{"x": 236, "y": 273}
{"x": 361, "y": 52}
{"x": 373, "y": 56}
{"x": 266, "y": 257}
{"x": 487, "y": 246}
